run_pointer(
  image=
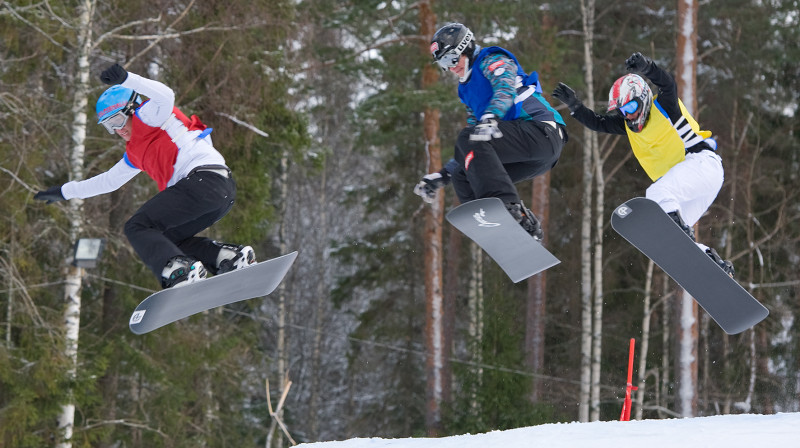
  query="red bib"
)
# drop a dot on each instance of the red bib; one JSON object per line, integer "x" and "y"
{"x": 152, "y": 150}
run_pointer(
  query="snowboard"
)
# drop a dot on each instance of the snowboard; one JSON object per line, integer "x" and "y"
{"x": 487, "y": 222}
{"x": 645, "y": 225}
{"x": 172, "y": 304}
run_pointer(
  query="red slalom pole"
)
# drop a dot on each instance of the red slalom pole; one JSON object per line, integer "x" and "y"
{"x": 626, "y": 405}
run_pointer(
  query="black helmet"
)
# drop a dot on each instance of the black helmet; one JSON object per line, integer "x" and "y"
{"x": 450, "y": 42}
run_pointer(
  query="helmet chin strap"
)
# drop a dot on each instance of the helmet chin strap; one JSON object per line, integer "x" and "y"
{"x": 635, "y": 125}
{"x": 467, "y": 72}
{"x": 470, "y": 59}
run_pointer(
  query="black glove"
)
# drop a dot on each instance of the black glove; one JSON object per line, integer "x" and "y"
{"x": 638, "y": 63}
{"x": 430, "y": 184}
{"x": 566, "y": 95}
{"x": 52, "y": 194}
{"x": 486, "y": 130}
{"x": 114, "y": 75}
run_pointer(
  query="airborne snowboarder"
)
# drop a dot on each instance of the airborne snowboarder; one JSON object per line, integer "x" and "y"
{"x": 196, "y": 187}
{"x": 679, "y": 158}
{"x": 512, "y": 133}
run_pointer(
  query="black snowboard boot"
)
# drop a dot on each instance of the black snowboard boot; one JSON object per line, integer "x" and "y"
{"x": 726, "y": 265}
{"x": 526, "y": 219}
{"x": 676, "y": 216}
{"x": 182, "y": 270}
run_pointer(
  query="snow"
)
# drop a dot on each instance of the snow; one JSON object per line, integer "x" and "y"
{"x": 727, "y": 431}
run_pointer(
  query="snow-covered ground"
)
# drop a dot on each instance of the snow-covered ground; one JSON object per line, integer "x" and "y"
{"x": 724, "y": 431}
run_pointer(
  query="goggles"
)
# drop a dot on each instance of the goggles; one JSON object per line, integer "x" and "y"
{"x": 448, "y": 60}
{"x": 119, "y": 119}
{"x": 629, "y": 107}
{"x": 115, "y": 122}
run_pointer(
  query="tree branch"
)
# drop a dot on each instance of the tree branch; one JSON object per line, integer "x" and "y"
{"x": 242, "y": 123}
{"x": 124, "y": 422}
{"x": 274, "y": 414}
{"x": 14, "y": 13}
{"x": 156, "y": 41}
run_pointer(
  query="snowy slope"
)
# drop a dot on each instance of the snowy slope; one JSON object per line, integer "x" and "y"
{"x": 724, "y": 431}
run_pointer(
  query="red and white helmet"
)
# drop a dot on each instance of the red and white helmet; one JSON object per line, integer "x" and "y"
{"x": 627, "y": 89}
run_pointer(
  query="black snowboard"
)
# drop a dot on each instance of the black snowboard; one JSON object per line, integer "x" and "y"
{"x": 488, "y": 223}
{"x": 645, "y": 225}
{"x": 169, "y": 305}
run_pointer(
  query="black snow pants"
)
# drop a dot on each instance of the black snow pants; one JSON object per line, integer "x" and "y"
{"x": 490, "y": 169}
{"x": 166, "y": 225}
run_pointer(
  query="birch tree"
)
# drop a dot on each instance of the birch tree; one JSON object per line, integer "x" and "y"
{"x": 644, "y": 345}
{"x": 591, "y": 316}
{"x": 72, "y": 291}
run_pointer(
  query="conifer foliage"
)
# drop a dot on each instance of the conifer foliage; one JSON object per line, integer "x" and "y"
{"x": 324, "y": 112}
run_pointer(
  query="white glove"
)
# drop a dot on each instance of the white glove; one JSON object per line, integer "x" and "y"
{"x": 486, "y": 129}
{"x": 429, "y": 185}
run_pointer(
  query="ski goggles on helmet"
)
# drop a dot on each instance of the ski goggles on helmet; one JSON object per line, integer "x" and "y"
{"x": 448, "y": 60}
{"x": 629, "y": 107}
{"x": 115, "y": 122}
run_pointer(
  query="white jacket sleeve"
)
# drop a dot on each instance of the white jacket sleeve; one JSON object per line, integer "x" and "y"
{"x": 103, "y": 183}
{"x": 161, "y": 99}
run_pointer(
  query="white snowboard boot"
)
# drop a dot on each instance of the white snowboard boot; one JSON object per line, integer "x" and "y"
{"x": 182, "y": 270}
{"x": 232, "y": 257}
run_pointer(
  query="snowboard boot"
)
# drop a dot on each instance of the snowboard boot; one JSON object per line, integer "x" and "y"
{"x": 726, "y": 265}
{"x": 232, "y": 257}
{"x": 676, "y": 216}
{"x": 182, "y": 270}
{"x": 526, "y": 219}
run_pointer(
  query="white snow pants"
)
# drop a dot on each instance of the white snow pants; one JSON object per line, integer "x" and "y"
{"x": 690, "y": 186}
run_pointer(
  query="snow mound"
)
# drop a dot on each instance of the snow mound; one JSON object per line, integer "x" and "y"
{"x": 725, "y": 431}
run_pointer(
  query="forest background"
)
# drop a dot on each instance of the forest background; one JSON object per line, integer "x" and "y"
{"x": 329, "y": 112}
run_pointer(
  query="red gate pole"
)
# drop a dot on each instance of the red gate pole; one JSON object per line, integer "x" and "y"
{"x": 626, "y": 405}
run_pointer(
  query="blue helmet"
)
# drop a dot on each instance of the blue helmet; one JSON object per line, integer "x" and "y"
{"x": 113, "y": 100}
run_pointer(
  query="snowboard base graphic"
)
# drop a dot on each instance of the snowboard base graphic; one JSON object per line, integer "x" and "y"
{"x": 487, "y": 222}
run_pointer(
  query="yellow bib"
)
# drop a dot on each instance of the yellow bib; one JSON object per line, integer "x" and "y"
{"x": 659, "y": 147}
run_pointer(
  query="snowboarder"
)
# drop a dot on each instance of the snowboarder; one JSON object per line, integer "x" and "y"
{"x": 512, "y": 133}
{"x": 196, "y": 188}
{"x": 679, "y": 158}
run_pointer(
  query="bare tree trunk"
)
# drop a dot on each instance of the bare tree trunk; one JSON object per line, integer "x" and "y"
{"x": 72, "y": 290}
{"x": 475, "y": 306}
{"x": 686, "y": 358}
{"x": 644, "y": 344}
{"x": 451, "y": 289}
{"x": 10, "y": 285}
{"x": 537, "y": 289}
{"x": 281, "y": 343}
{"x": 434, "y": 216}
{"x": 666, "y": 347}
{"x": 689, "y": 322}
{"x": 762, "y": 364}
{"x": 319, "y": 312}
{"x": 540, "y": 205}
{"x": 704, "y": 383}
{"x": 587, "y": 13}
{"x": 597, "y": 314}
